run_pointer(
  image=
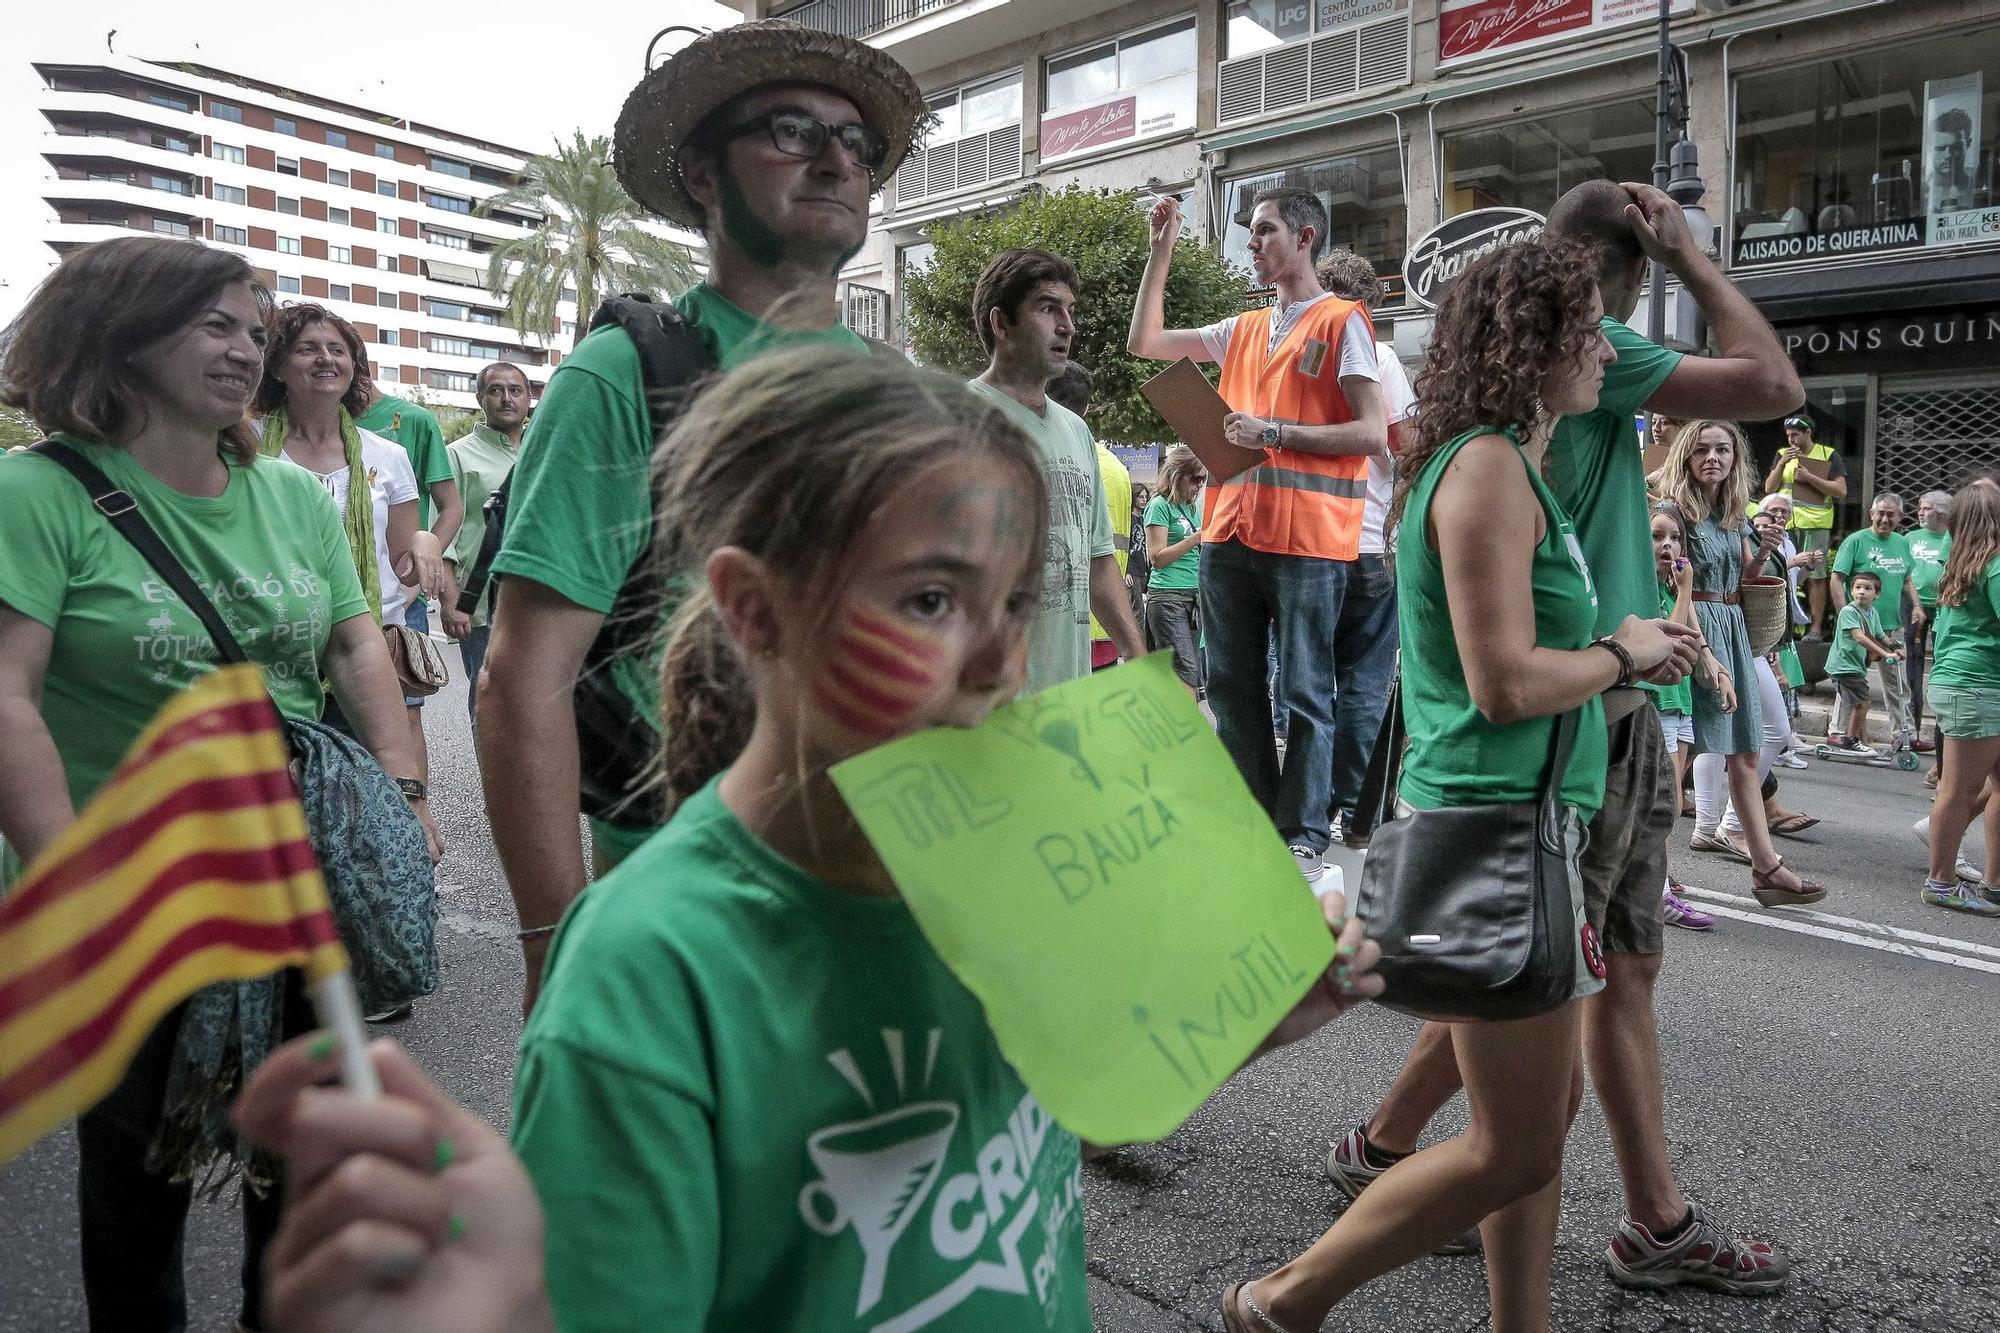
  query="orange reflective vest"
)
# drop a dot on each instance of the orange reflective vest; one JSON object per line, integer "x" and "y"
{"x": 1294, "y": 503}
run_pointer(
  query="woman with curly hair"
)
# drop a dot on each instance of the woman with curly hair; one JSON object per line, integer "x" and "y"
{"x": 1497, "y": 614}
{"x": 1707, "y": 476}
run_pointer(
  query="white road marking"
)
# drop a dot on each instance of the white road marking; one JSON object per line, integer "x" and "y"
{"x": 1847, "y": 930}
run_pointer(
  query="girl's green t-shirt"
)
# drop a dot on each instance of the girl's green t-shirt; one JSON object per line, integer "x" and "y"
{"x": 1679, "y": 697}
{"x": 1184, "y": 575}
{"x": 750, "y": 1100}
{"x": 1966, "y": 644}
{"x": 1456, "y": 756}
{"x": 268, "y": 551}
{"x": 1928, "y": 551}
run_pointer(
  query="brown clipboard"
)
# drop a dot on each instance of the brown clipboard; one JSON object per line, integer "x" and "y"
{"x": 1192, "y": 408}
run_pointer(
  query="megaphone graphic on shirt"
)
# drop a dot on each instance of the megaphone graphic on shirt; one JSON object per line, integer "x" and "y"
{"x": 875, "y": 1175}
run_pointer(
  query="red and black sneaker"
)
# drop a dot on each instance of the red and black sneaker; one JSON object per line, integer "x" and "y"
{"x": 1702, "y": 1256}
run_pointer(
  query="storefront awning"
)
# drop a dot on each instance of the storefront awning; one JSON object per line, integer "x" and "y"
{"x": 462, "y": 274}
{"x": 1970, "y": 278}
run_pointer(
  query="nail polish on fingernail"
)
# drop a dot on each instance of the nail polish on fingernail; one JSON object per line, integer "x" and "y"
{"x": 444, "y": 1155}
{"x": 456, "y": 1227}
{"x": 322, "y": 1048}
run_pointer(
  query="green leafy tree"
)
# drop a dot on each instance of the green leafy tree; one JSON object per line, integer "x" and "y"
{"x": 1104, "y": 235}
{"x": 455, "y": 422}
{"x": 590, "y": 240}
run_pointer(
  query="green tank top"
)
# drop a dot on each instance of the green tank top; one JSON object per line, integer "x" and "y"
{"x": 1457, "y": 757}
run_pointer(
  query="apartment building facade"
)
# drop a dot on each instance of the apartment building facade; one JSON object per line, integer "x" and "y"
{"x": 1848, "y": 149}
{"x": 370, "y": 215}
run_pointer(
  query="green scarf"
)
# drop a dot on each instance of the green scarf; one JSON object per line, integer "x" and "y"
{"x": 360, "y": 520}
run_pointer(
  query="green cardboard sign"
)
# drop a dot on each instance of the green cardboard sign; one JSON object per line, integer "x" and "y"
{"x": 1092, "y": 867}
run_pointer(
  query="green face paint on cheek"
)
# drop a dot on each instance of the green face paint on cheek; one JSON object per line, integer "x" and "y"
{"x": 744, "y": 227}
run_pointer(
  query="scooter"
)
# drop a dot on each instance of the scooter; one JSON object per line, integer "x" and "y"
{"x": 1900, "y": 755}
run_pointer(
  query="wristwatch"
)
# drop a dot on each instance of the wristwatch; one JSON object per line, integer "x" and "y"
{"x": 413, "y": 789}
{"x": 1268, "y": 437}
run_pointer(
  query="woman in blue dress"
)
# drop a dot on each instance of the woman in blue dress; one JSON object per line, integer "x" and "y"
{"x": 1707, "y": 474}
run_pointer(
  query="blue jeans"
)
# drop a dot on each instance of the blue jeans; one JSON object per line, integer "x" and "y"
{"x": 1364, "y": 665}
{"x": 472, "y": 648}
{"x": 1246, "y": 597}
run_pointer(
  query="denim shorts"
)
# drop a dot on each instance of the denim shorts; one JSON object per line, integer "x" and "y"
{"x": 1966, "y": 712}
{"x": 1678, "y": 729}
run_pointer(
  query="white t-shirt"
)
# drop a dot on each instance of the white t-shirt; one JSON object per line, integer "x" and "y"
{"x": 1401, "y": 405}
{"x": 1357, "y": 345}
{"x": 391, "y": 481}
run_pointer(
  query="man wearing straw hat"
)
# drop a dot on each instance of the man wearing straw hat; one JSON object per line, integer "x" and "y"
{"x": 768, "y": 138}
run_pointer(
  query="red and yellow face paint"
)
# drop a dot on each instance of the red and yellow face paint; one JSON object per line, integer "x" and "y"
{"x": 877, "y": 673}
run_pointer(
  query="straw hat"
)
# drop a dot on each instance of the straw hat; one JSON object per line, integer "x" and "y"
{"x": 675, "y": 95}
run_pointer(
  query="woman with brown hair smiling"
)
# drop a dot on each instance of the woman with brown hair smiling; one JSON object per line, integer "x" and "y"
{"x": 140, "y": 356}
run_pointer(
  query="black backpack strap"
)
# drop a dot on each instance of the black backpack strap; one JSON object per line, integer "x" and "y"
{"x": 477, "y": 574}
{"x": 673, "y": 354}
{"x": 122, "y": 512}
{"x": 674, "y": 358}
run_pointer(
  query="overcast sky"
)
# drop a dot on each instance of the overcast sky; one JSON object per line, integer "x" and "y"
{"x": 515, "y": 72}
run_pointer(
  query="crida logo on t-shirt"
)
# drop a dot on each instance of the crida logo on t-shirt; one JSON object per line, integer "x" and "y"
{"x": 943, "y": 1238}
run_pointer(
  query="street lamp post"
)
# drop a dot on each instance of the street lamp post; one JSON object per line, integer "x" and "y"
{"x": 1663, "y": 135}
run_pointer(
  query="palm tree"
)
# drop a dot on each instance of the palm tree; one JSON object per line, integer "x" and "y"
{"x": 590, "y": 240}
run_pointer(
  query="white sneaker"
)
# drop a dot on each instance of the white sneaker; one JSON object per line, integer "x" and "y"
{"x": 1792, "y": 759}
{"x": 1963, "y": 868}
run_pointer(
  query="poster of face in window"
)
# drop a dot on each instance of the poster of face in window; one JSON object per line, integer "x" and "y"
{"x": 1951, "y": 161}
{"x": 1481, "y": 29}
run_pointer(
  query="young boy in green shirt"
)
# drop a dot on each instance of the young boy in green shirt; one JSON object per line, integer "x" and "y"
{"x": 1857, "y": 645}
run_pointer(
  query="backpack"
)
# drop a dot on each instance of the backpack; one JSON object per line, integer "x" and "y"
{"x": 616, "y": 743}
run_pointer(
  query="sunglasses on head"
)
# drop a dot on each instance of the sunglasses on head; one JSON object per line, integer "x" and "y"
{"x": 804, "y": 135}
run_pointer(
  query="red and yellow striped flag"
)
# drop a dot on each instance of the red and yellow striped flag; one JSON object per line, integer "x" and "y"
{"x": 190, "y": 866}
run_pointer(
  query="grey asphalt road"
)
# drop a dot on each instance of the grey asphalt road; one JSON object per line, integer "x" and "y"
{"x": 1830, "y": 1086}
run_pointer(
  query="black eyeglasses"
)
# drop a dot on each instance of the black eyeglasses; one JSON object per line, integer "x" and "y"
{"x": 802, "y": 134}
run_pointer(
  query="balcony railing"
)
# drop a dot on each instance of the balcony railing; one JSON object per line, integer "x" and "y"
{"x": 861, "y": 18}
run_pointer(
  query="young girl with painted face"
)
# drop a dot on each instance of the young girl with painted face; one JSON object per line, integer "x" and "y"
{"x": 1676, "y": 702}
{"x": 751, "y": 1095}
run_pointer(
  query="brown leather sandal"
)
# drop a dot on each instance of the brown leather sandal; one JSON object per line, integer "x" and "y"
{"x": 1237, "y": 1302}
{"x": 1770, "y": 893}
{"x": 1790, "y": 822}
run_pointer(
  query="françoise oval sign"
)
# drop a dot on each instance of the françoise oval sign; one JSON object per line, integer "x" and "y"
{"x": 1444, "y": 252}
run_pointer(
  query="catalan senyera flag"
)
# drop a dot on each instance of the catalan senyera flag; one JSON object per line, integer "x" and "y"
{"x": 190, "y": 866}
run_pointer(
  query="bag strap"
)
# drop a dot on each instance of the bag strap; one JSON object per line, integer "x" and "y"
{"x": 1561, "y": 742}
{"x": 122, "y": 512}
{"x": 481, "y": 570}
{"x": 1375, "y": 805}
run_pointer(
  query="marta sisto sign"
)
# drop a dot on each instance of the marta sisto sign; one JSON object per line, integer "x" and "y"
{"x": 1446, "y": 250}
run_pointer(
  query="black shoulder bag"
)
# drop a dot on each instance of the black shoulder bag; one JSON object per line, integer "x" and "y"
{"x": 1473, "y": 905}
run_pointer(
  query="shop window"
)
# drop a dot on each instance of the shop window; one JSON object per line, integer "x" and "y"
{"x": 1879, "y": 150}
{"x": 1366, "y": 210}
{"x": 1531, "y": 163}
{"x": 1138, "y": 85}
